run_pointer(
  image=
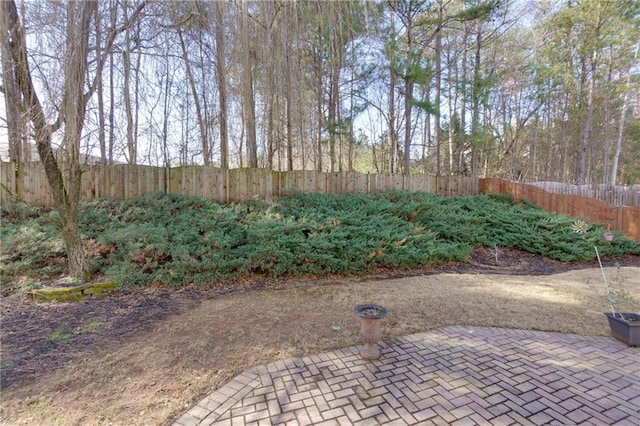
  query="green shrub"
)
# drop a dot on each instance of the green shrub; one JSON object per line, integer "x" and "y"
{"x": 176, "y": 240}
{"x": 31, "y": 243}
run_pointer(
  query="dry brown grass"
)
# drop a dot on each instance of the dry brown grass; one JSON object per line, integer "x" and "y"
{"x": 163, "y": 372}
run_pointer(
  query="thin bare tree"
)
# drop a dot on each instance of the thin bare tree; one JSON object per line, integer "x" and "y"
{"x": 76, "y": 94}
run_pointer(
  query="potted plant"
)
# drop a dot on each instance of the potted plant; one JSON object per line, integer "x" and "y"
{"x": 624, "y": 326}
{"x": 370, "y": 316}
{"x": 608, "y": 235}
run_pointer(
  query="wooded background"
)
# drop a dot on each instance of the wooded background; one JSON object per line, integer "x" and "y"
{"x": 525, "y": 90}
{"x": 29, "y": 184}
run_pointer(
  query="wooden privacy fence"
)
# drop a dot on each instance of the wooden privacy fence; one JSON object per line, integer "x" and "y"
{"x": 28, "y": 182}
{"x": 612, "y": 194}
{"x": 620, "y": 218}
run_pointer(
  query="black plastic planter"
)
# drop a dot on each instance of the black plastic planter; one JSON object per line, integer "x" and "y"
{"x": 626, "y": 329}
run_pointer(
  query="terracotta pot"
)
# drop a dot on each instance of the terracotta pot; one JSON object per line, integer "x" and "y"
{"x": 370, "y": 316}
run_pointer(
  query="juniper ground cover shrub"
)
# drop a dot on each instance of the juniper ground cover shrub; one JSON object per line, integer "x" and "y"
{"x": 176, "y": 240}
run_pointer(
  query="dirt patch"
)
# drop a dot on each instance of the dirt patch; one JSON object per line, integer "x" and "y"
{"x": 146, "y": 356}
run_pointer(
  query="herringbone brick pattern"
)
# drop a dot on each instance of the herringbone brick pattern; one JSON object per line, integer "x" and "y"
{"x": 452, "y": 376}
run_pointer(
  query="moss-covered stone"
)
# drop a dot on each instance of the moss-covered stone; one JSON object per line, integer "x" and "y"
{"x": 72, "y": 294}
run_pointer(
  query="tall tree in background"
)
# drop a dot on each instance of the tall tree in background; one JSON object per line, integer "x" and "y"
{"x": 221, "y": 78}
{"x": 422, "y": 25}
{"x": 438, "y": 86}
{"x": 587, "y": 54}
{"x": 248, "y": 104}
{"x": 194, "y": 19}
{"x": 485, "y": 87}
{"x": 394, "y": 69}
{"x": 621, "y": 122}
{"x": 12, "y": 96}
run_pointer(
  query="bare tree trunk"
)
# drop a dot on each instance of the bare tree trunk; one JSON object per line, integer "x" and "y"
{"x": 272, "y": 147}
{"x": 607, "y": 123}
{"x": 582, "y": 154}
{"x": 319, "y": 102}
{"x": 335, "y": 58}
{"x": 620, "y": 136}
{"x": 586, "y": 140}
{"x": 549, "y": 134}
{"x": 333, "y": 106}
{"x": 196, "y": 99}
{"x": 392, "y": 121}
{"x": 406, "y": 155}
{"x": 302, "y": 132}
{"x": 65, "y": 190}
{"x": 222, "y": 84}
{"x": 288, "y": 90}
{"x": 566, "y": 173}
{"x": 247, "y": 90}
{"x": 374, "y": 158}
{"x": 102, "y": 142}
{"x": 391, "y": 136}
{"x": 438, "y": 85}
{"x": 534, "y": 150}
{"x": 136, "y": 92}
{"x": 113, "y": 13}
{"x": 126, "y": 60}
{"x": 352, "y": 114}
{"x": 463, "y": 102}
{"x": 207, "y": 121}
{"x": 318, "y": 65}
{"x": 269, "y": 95}
{"x": 165, "y": 115}
{"x": 74, "y": 108}
{"x": 301, "y": 123}
{"x": 66, "y": 195}
{"x": 475, "y": 119}
{"x": 426, "y": 135}
{"x": 452, "y": 100}
{"x": 408, "y": 94}
{"x": 289, "y": 112}
{"x": 623, "y": 114}
{"x": 12, "y": 97}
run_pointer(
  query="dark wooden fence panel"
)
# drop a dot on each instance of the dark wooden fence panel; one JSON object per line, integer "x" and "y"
{"x": 619, "y": 218}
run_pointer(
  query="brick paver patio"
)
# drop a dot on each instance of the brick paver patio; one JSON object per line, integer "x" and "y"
{"x": 451, "y": 376}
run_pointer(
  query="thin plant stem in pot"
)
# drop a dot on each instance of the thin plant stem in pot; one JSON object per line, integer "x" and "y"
{"x": 606, "y": 283}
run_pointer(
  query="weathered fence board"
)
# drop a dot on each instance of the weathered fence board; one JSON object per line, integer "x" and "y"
{"x": 8, "y": 176}
{"x": 456, "y": 185}
{"x": 424, "y": 184}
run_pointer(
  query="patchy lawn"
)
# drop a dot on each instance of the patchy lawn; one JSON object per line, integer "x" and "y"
{"x": 146, "y": 356}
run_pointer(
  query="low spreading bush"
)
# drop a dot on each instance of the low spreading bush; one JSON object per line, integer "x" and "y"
{"x": 176, "y": 240}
